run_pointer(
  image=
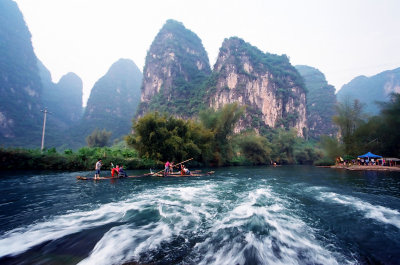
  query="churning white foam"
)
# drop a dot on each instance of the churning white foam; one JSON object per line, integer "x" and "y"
{"x": 124, "y": 243}
{"x": 182, "y": 216}
{"x": 376, "y": 212}
{"x": 175, "y": 206}
{"x": 263, "y": 228}
{"x": 181, "y": 211}
{"x": 257, "y": 224}
{"x": 20, "y": 239}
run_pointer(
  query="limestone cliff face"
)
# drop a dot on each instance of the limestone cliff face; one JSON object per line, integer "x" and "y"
{"x": 269, "y": 87}
{"x": 176, "y": 66}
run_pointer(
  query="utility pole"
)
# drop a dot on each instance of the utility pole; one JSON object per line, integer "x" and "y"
{"x": 44, "y": 126}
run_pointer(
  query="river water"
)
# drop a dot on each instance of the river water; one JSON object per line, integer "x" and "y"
{"x": 240, "y": 215}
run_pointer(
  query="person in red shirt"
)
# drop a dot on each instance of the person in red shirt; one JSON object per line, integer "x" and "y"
{"x": 115, "y": 170}
{"x": 182, "y": 169}
{"x": 166, "y": 169}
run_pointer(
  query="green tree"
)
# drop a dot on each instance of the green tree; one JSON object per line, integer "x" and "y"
{"x": 390, "y": 113}
{"x": 306, "y": 152}
{"x": 349, "y": 117}
{"x": 369, "y": 135}
{"x": 332, "y": 147}
{"x": 150, "y": 135}
{"x": 163, "y": 137}
{"x": 255, "y": 148}
{"x": 283, "y": 146}
{"x": 98, "y": 138}
{"x": 381, "y": 133}
{"x": 221, "y": 123}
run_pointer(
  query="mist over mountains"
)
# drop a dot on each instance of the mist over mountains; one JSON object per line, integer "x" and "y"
{"x": 112, "y": 103}
{"x": 177, "y": 79}
{"x": 64, "y": 98}
{"x": 20, "y": 83}
{"x": 370, "y": 90}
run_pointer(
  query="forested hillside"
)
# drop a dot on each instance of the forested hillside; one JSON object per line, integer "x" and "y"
{"x": 321, "y": 100}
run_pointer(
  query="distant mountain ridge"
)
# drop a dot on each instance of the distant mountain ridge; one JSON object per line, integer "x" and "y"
{"x": 369, "y": 90}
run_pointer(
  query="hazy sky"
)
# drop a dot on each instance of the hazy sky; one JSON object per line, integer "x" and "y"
{"x": 342, "y": 38}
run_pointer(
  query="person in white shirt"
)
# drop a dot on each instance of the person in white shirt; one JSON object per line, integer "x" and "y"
{"x": 97, "y": 168}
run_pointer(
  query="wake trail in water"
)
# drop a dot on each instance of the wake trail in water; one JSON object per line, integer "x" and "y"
{"x": 209, "y": 223}
{"x": 262, "y": 230}
{"x": 182, "y": 211}
{"x": 375, "y": 212}
{"x": 20, "y": 239}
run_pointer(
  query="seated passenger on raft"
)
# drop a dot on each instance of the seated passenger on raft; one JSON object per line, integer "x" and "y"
{"x": 115, "y": 170}
{"x": 122, "y": 173}
{"x": 184, "y": 170}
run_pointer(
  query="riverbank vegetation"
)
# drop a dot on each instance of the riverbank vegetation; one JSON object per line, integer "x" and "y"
{"x": 82, "y": 159}
{"x": 360, "y": 134}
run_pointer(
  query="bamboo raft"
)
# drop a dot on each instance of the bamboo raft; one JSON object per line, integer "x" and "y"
{"x": 195, "y": 173}
{"x": 108, "y": 177}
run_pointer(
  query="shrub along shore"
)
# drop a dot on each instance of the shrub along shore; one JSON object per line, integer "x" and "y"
{"x": 83, "y": 159}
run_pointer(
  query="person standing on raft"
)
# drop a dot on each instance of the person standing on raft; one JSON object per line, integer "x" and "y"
{"x": 166, "y": 169}
{"x": 97, "y": 168}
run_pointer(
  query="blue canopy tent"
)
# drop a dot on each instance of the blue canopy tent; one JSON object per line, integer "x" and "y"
{"x": 369, "y": 155}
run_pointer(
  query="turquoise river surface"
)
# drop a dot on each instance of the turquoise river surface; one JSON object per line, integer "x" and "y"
{"x": 239, "y": 215}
